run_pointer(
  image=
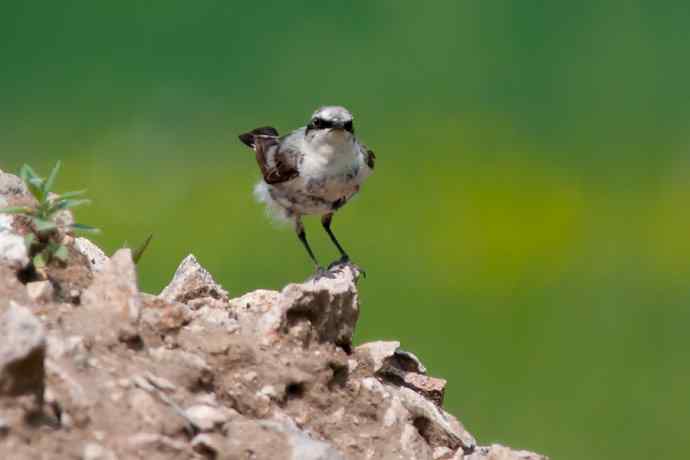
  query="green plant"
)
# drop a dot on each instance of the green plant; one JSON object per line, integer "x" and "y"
{"x": 139, "y": 251}
{"x": 45, "y": 242}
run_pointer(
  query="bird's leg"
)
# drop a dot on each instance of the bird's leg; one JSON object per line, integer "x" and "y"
{"x": 344, "y": 258}
{"x": 326, "y": 222}
{"x": 299, "y": 228}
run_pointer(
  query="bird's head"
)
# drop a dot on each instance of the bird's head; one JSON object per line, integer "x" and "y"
{"x": 331, "y": 124}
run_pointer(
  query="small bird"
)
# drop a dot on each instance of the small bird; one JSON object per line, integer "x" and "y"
{"x": 314, "y": 170}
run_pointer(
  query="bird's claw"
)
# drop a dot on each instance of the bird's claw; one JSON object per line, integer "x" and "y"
{"x": 346, "y": 262}
{"x": 321, "y": 273}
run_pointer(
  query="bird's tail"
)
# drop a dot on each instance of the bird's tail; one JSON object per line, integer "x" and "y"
{"x": 249, "y": 139}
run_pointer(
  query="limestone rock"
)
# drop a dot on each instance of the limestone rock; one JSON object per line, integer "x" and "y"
{"x": 40, "y": 291}
{"x": 22, "y": 352}
{"x": 376, "y": 353}
{"x": 325, "y": 309}
{"x": 96, "y": 257}
{"x": 164, "y": 316}
{"x": 13, "y": 251}
{"x": 387, "y": 360}
{"x": 12, "y": 186}
{"x": 193, "y": 285}
{"x": 114, "y": 293}
{"x": 438, "y": 427}
{"x": 206, "y": 417}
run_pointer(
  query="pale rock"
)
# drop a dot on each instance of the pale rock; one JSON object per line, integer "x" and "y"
{"x": 13, "y": 251}
{"x": 40, "y": 291}
{"x": 413, "y": 446}
{"x": 430, "y": 387}
{"x": 164, "y": 316}
{"x": 324, "y": 309}
{"x": 185, "y": 368}
{"x": 303, "y": 446}
{"x": 206, "y": 418}
{"x": 96, "y": 257}
{"x": 193, "y": 285}
{"x": 160, "y": 382}
{"x": 95, "y": 451}
{"x": 22, "y": 352}
{"x": 438, "y": 427}
{"x": 215, "y": 317}
{"x": 442, "y": 453}
{"x": 144, "y": 440}
{"x": 499, "y": 452}
{"x": 12, "y": 186}
{"x": 387, "y": 360}
{"x": 59, "y": 346}
{"x": 376, "y": 353}
{"x": 248, "y": 309}
{"x": 114, "y": 295}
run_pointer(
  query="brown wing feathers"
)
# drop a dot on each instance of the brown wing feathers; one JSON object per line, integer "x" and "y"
{"x": 276, "y": 164}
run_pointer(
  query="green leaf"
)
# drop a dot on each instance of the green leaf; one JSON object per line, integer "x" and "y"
{"x": 26, "y": 173}
{"x": 44, "y": 225}
{"x": 61, "y": 253}
{"x": 48, "y": 184}
{"x": 136, "y": 255}
{"x": 72, "y": 194}
{"x": 17, "y": 210}
{"x": 36, "y": 187}
{"x": 61, "y": 204}
{"x": 29, "y": 240}
{"x": 84, "y": 228}
{"x": 39, "y": 261}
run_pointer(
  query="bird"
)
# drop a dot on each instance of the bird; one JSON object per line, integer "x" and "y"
{"x": 313, "y": 170}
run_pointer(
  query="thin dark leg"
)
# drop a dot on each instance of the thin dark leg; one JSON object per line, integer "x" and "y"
{"x": 326, "y": 222}
{"x": 303, "y": 238}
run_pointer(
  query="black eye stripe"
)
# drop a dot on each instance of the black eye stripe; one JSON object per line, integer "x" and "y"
{"x": 320, "y": 123}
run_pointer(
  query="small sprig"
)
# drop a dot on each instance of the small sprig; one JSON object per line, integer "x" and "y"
{"x": 43, "y": 243}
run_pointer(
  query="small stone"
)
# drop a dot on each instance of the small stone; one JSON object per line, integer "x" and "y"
{"x": 160, "y": 382}
{"x": 94, "y": 451}
{"x": 192, "y": 284}
{"x": 205, "y": 418}
{"x": 13, "y": 252}
{"x": 376, "y": 353}
{"x": 430, "y": 387}
{"x": 40, "y": 291}
{"x": 434, "y": 423}
{"x": 442, "y": 452}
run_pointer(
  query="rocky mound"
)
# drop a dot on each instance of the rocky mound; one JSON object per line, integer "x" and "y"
{"x": 92, "y": 368}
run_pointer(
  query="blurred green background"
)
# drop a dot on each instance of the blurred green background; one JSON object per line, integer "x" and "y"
{"x": 526, "y": 233}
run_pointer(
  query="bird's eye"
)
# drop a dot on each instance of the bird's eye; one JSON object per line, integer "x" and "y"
{"x": 348, "y": 126}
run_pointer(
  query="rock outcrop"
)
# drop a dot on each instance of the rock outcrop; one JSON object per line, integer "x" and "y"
{"x": 92, "y": 368}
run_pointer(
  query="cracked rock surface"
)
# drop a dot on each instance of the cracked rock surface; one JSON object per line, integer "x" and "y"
{"x": 92, "y": 368}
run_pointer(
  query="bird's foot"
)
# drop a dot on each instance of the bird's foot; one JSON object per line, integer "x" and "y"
{"x": 345, "y": 261}
{"x": 321, "y": 273}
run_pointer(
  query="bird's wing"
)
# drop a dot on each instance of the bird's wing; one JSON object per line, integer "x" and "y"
{"x": 277, "y": 161}
{"x": 369, "y": 157}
